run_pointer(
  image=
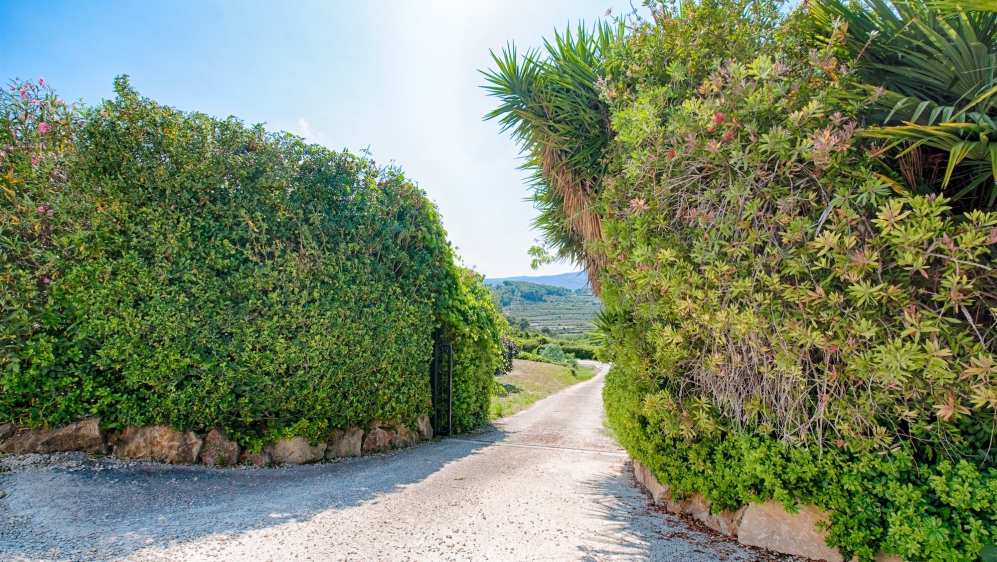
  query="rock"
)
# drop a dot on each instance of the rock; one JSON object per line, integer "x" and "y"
{"x": 377, "y": 441}
{"x": 158, "y": 443}
{"x": 296, "y": 450}
{"x": 6, "y": 430}
{"x": 345, "y": 444}
{"x": 219, "y": 450}
{"x": 84, "y": 435}
{"x": 425, "y": 428}
{"x": 405, "y": 437}
{"x": 658, "y": 491}
{"x": 769, "y": 526}
{"x": 263, "y": 458}
{"x": 697, "y": 506}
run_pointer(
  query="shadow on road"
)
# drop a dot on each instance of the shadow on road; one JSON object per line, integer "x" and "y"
{"x": 97, "y": 511}
{"x": 645, "y": 532}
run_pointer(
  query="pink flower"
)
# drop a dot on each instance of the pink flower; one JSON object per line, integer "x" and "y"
{"x": 41, "y": 209}
{"x": 50, "y": 212}
{"x": 34, "y": 161}
{"x": 718, "y": 118}
{"x": 41, "y": 81}
{"x": 43, "y": 127}
{"x": 47, "y": 280}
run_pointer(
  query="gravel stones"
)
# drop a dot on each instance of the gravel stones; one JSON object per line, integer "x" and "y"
{"x": 158, "y": 443}
{"x": 83, "y": 435}
{"x": 219, "y": 450}
{"x": 296, "y": 450}
{"x": 344, "y": 444}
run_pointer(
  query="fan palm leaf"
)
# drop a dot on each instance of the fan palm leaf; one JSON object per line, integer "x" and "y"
{"x": 931, "y": 68}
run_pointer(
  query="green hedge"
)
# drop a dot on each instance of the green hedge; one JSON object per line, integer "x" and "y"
{"x": 202, "y": 273}
{"x": 793, "y": 320}
{"x": 788, "y": 317}
{"x": 941, "y": 510}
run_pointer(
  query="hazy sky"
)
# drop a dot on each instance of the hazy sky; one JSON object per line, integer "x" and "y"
{"x": 399, "y": 77}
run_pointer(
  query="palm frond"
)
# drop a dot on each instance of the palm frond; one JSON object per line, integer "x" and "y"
{"x": 550, "y": 103}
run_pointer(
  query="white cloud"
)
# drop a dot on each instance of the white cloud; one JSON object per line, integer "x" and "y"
{"x": 305, "y": 130}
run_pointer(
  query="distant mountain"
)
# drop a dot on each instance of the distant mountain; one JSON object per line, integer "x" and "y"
{"x": 575, "y": 280}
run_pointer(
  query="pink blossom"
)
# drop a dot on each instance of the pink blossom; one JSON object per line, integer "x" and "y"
{"x": 50, "y": 212}
{"x": 43, "y": 127}
{"x": 34, "y": 161}
{"x": 41, "y": 81}
{"x": 718, "y": 118}
{"x": 41, "y": 209}
{"x": 47, "y": 280}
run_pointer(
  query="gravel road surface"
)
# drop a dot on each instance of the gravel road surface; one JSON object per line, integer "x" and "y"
{"x": 545, "y": 484}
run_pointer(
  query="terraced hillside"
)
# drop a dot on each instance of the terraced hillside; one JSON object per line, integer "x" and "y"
{"x": 546, "y": 306}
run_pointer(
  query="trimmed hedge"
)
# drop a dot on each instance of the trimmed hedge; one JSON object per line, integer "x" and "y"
{"x": 201, "y": 273}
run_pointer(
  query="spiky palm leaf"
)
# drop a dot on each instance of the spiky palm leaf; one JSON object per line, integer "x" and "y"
{"x": 550, "y": 103}
{"x": 929, "y": 64}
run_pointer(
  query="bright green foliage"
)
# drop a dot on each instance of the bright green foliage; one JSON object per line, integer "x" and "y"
{"x": 219, "y": 275}
{"x": 921, "y": 511}
{"x": 787, "y": 320}
{"x": 798, "y": 329}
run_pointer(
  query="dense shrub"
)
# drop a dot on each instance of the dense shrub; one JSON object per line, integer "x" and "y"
{"x": 213, "y": 274}
{"x": 788, "y": 320}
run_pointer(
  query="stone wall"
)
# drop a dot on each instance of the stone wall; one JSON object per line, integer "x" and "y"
{"x": 766, "y": 525}
{"x": 166, "y": 445}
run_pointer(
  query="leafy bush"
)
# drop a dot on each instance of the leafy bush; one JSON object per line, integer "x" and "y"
{"x": 787, "y": 319}
{"x": 213, "y": 274}
{"x": 920, "y": 511}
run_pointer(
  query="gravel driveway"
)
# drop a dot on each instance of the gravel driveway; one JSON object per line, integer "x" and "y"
{"x": 545, "y": 484}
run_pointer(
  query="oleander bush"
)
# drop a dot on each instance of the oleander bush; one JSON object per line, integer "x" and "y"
{"x": 168, "y": 267}
{"x": 789, "y": 317}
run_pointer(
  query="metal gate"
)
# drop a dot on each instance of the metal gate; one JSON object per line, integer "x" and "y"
{"x": 441, "y": 381}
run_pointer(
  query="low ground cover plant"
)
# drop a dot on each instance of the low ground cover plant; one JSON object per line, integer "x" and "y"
{"x": 164, "y": 267}
{"x": 799, "y": 293}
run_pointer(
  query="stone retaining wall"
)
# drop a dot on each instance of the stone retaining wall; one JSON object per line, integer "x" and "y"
{"x": 765, "y": 525}
{"x": 166, "y": 445}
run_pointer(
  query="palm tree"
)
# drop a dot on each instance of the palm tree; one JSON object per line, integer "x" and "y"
{"x": 930, "y": 67}
{"x": 550, "y": 101}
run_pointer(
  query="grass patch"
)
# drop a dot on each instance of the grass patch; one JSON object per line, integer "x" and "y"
{"x": 530, "y": 381}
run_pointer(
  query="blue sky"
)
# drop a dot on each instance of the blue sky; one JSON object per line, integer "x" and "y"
{"x": 399, "y": 77}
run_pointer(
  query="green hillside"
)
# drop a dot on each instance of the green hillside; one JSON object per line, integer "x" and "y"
{"x": 540, "y": 306}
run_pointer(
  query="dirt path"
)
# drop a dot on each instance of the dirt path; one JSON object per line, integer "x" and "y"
{"x": 545, "y": 484}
